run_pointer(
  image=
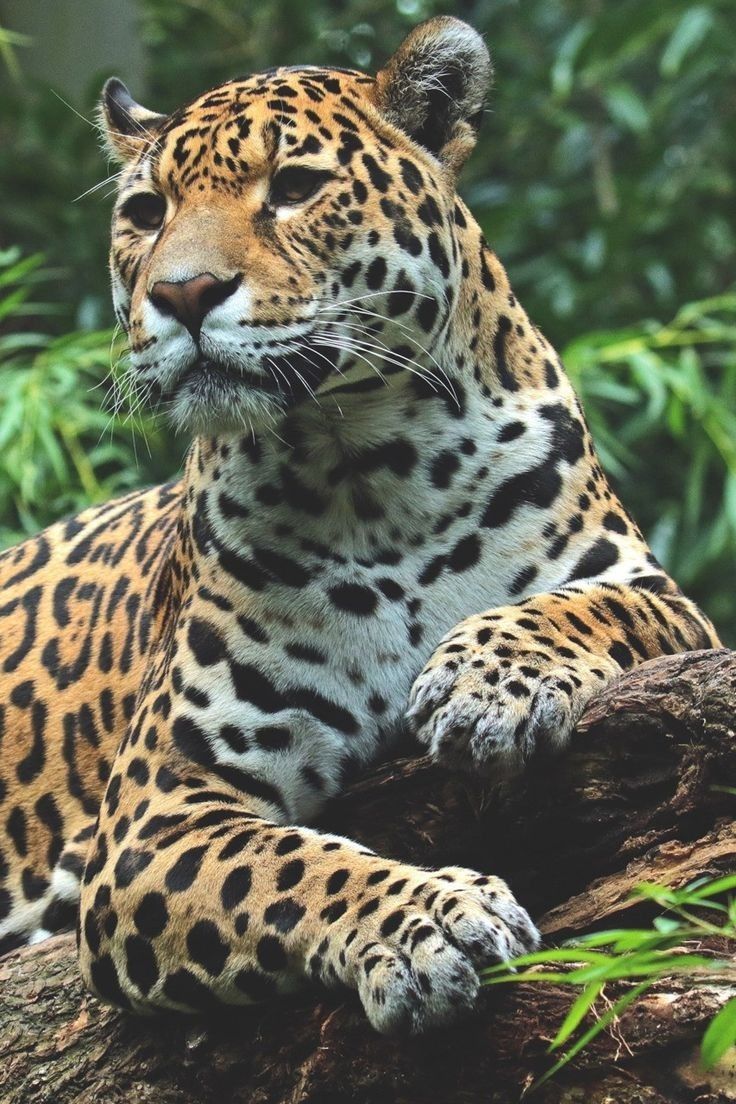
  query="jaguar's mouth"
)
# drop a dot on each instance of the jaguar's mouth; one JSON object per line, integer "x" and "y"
{"x": 207, "y": 375}
{"x": 290, "y": 376}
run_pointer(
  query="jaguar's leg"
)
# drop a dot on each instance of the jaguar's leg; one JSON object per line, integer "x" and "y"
{"x": 197, "y": 901}
{"x": 43, "y": 903}
{"x": 516, "y": 679}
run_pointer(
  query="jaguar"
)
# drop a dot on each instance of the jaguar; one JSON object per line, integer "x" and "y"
{"x": 391, "y": 520}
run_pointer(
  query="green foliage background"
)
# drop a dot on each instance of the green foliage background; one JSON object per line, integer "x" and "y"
{"x": 604, "y": 178}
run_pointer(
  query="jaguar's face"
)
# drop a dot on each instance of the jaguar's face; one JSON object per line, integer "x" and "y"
{"x": 279, "y": 237}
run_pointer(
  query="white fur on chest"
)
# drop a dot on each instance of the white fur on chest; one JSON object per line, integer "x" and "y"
{"x": 412, "y": 575}
{"x": 368, "y": 663}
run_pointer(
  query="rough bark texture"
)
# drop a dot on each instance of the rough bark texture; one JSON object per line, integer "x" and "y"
{"x": 635, "y": 798}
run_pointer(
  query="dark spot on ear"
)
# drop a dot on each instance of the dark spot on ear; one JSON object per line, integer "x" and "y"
{"x": 431, "y": 135}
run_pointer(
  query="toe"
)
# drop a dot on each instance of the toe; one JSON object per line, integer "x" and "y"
{"x": 429, "y": 691}
{"x": 388, "y": 990}
{"x": 449, "y": 986}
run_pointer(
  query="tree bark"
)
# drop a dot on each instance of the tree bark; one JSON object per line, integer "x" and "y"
{"x": 639, "y": 796}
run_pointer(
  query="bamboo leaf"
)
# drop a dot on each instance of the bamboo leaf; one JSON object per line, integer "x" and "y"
{"x": 720, "y": 1035}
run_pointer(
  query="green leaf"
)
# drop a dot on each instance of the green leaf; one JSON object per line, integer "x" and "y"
{"x": 701, "y": 889}
{"x": 599, "y": 1026}
{"x": 578, "y": 1009}
{"x": 563, "y": 68}
{"x": 687, "y": 35}
{"x": 543, "y": 958}
{"x": 666, "y": 924}
{"x": 17, "y": 269}
{"x": 720, "y": 1034}
{"x": 627, "y": 108}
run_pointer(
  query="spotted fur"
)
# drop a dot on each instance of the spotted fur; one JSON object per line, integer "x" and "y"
{"x": 391, "y": 485}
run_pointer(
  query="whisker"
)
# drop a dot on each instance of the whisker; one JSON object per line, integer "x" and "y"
{"x": 448, "y": 385}
{"x": 306, "y": 385}
{"x": 368, "y": 295}
{"x": 307, "y": 356}
{"x": 351, "y": 348}
{"x": 275, "y": 369}
{"x": 357, "y": 311}
{"x": 90, "y": 122}
{"x": 374, "y": 336}
{"x": 349, "y": 345}
{"x": 366, "y": 345}
{"x": 100, "y": 184}
{"x": 391, "y": 357}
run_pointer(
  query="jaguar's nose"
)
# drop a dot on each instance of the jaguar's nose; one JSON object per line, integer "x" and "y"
{"x": 190, "y": 301}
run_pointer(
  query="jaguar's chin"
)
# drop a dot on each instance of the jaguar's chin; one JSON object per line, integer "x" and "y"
{"x": 214, "y": 398}
{"x": 218, "y": 395}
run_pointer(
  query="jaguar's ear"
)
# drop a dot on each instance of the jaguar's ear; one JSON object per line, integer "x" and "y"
{"x": 434, "y": 87}
{"x": 126, "y": 125}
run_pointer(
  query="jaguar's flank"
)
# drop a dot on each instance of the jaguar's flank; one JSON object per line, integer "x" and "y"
{"x": 392, "y": 513}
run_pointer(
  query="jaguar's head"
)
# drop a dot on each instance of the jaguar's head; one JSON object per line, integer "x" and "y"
{"x": 295, "y": 231}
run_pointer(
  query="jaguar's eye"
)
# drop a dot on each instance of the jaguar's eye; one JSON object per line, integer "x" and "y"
{"x": 295, "y": 184}
{"x": 145, "y": 210}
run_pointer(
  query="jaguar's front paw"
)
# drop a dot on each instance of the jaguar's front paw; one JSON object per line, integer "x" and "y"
{"x": 494, "y": 693}
{"x": 414, "y": 946}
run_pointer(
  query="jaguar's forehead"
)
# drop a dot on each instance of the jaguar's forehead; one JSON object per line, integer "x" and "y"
{"x": 285, "y": 98}
{"x": 291, "y": 110}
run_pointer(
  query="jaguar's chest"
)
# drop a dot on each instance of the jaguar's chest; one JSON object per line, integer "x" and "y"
{"x": 327, "y": 574}
{"x": 298, "y": 683}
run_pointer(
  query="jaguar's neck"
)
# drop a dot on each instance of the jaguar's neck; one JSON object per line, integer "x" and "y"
{"x": 359, "y": 482}
{"x": 490, "y": 339}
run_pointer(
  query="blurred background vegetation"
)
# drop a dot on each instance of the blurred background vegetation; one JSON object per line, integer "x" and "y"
{"x": 605, "y": 178}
